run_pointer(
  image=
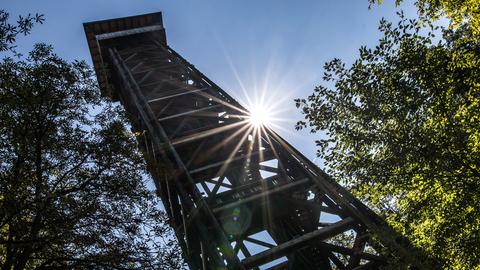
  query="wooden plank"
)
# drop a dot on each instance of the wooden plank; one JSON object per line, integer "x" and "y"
{"x": 287, "y": 247}
{"x": 217, "y": 164}
{"x": 263, "y": 184}
{"x": 179, "y": 92}
{"x": 268, "y": 168}
{"x": 262, "y": 194}
{"x": 189, "y": 112}
{"x": 258, "y": 242}
{"x": 207, "y": 131}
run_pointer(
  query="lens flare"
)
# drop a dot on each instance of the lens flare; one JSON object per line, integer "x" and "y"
{"x": 260, "y": 116}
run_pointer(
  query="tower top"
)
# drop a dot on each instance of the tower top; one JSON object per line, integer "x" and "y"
{"x": 102, "y": 32}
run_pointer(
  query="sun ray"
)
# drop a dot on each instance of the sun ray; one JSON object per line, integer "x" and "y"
{"x": 267, "y": 214}
{"x": 226, "y": 140}
{"x": 207, "y": 133}
{"x": 235, "y": 150}
{"x": 282, "y": 142}
{"x": 237, "y": 76}
{"x": 219, "y": 100}
{"x": 283, "y": 129}
{"x": 259, "y": 138}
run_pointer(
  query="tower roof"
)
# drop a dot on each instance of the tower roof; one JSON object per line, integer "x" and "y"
{"x": 98, "y": 31}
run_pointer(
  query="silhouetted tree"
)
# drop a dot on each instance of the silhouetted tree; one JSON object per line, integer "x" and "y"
{"x": 9, "y": 31}
{"x": 72, "y": 182}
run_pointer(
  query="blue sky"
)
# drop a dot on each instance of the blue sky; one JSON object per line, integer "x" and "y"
{"x": 276, "y": 47}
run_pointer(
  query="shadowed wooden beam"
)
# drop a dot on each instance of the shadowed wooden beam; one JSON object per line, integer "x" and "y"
{"x": 287, "y": 247}
{"x": 262, "y": 194}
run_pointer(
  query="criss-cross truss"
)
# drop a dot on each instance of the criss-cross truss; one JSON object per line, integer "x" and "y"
{"x": 238, "y": 195}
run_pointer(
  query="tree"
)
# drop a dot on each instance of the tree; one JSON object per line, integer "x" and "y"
{"x": 459, "y": 12}
{"x": 401, "y": 128}
{"x": 72, "y": 182}
{"x": 9, "y": 31}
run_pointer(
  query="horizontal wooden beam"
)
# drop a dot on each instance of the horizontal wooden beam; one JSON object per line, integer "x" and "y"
{"x": 268, "y": 168}
{"x": 220, "y": 163}
{"x": 262, "y": 183}
{"x": 262, "y": 194}
{"x": 258, "y": 242}
{"x": 189, "y": 112}
{"x": 289, "y": 246}
{"x": 184, "y": 92}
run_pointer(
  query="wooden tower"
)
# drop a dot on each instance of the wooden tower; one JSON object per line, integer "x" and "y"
{"x": 238, "y": 195}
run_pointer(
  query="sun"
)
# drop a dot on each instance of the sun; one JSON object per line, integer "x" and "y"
{"x": 259, "y": 116}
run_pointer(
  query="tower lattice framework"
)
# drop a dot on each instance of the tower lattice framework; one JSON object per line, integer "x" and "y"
{"x": 238, "y": 196}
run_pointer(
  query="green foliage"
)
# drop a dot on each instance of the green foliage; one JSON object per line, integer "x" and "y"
{"x": 72, "y": 190}
{"x": 459, "y": 12}
{"x": 401, "y": 128}
{"x": 9, "y": 31}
